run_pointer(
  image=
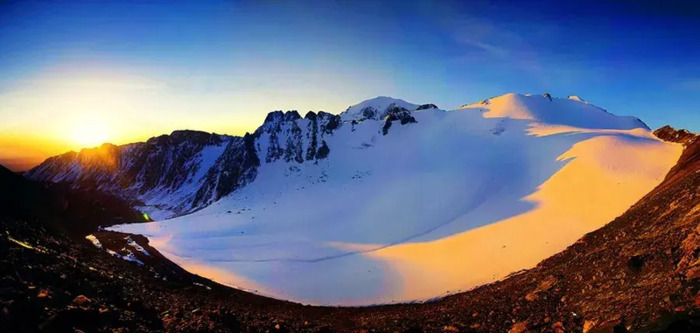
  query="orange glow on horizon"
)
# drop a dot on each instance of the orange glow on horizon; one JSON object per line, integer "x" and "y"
{"x": 68, "y": 108}
{"x": 22, "y": 151}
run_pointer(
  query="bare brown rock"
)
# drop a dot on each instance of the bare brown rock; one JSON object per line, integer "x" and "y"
{"x": 668, "y": 133}
{"x": 81, "y": 300}
{"x": 518, "y": 327}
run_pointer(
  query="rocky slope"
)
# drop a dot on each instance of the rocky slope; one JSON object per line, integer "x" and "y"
{"x": 52, "y": 205}
{"x": 671, "y": 134}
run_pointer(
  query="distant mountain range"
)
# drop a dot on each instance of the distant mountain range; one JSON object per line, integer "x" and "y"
{"x": 179, "y": 173}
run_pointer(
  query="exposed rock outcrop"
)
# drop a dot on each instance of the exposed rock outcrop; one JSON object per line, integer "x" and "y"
{"x": 668, "y": 133}
{"x": 287, "y": 137}
{"x": 427, "y": 106}
{"x": 397, "y": 113}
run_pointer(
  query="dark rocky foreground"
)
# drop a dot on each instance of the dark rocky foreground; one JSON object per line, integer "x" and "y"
{"x": 641, "y": 272}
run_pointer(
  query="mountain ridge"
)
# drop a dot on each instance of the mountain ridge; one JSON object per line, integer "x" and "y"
{"x": 189, "y": 187}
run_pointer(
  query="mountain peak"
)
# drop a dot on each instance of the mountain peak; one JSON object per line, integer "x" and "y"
{"x": 571, "y": 111}
{"x": 576, "y": 98}
{"x": 179, "y": 136}
{"x": 670, "y": 134}
{"x": 280, "y": 116}
{"x": 376, "y": 108}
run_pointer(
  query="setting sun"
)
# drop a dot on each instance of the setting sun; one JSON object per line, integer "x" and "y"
{"x": 90, "y": 133}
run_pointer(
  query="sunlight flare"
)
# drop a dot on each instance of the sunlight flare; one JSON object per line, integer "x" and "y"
{"x": 90, "y": 132}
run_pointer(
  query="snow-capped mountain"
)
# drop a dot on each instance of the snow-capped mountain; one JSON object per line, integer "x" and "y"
{"x": 388, "y": 201}
{"x": 380, "y": 107}
{"x": 178, "y": 173}
{"x": 286, "y": 136}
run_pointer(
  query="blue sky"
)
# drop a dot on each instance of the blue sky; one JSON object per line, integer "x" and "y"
{"x": 222, "y": 65}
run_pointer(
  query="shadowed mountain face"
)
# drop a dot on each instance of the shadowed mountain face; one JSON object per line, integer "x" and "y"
{"x": 178, "y": 173}
{"x": 169, "y": 173}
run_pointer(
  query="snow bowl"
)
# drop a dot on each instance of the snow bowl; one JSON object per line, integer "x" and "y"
{"x": 456, "y": 200}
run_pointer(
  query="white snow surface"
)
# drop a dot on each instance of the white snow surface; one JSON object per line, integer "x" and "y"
{"x": 456, "y": 200}
{"x": 136, "y": 246}
{"x": 563, "y": 111}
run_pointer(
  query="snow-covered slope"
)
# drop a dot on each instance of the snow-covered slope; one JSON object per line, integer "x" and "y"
{"x": 572, "y": 111}
{"x": 393, "y": 201}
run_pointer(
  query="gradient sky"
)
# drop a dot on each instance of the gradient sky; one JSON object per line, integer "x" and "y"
{"x": 126, "y": 71}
